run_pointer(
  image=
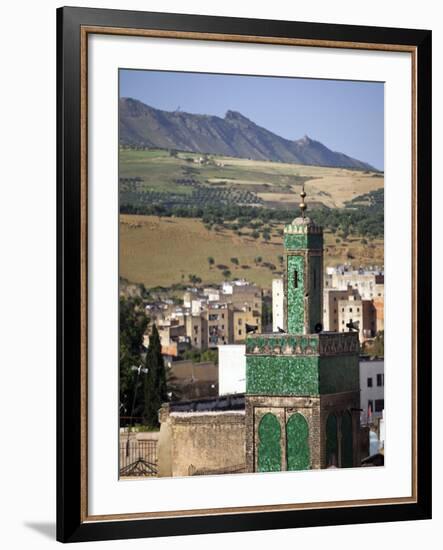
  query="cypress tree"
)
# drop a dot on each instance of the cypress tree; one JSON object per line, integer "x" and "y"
{"x": 155, "y": 380}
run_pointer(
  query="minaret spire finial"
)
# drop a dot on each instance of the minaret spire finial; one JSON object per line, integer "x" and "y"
{"x": 303, "y": 206}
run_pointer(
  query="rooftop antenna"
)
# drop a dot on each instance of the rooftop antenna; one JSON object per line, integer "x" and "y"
{"x": 303, "y": 206}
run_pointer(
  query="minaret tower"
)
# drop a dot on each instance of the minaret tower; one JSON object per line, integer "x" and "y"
{"x": 303, "y": 246}
{"x": 302, "y": 384}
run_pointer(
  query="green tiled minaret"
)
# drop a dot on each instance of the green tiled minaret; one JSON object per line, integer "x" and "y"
{"x": 303, "y": 244}
{"x": 302, "y": 384}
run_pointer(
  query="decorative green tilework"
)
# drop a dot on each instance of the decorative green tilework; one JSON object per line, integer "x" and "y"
{"x": 315, "y": 242}
{"x": 279, "y": 375}
{"x": 331, "y": 441}
{"x": 296, "y": 241}
{"x": 269, "y": 451}
{"x": 315, "y": 291}
{"x": 297, "y": 444}
{"x": 272, "y": 344}
{"x": 339, "y": 374}
{"x": 296, "y": 292}
{"x": 302, "y": 241}
{"x": 346, "y": 441}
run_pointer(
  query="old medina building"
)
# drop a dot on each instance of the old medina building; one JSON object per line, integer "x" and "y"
{"x": 208, "y": 318}
{"x": 350, "y": 296}
{"x": 301, "y": 406}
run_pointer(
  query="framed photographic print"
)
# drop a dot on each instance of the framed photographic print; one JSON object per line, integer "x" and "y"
{"x": 243, "y": 212}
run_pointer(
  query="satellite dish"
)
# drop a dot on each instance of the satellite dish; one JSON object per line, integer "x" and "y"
{"x": 318, "y": 328}
{"x": 251, "y": 328}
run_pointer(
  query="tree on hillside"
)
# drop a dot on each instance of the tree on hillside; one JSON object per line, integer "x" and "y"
{"x": 155, "y": 380}
{"x": 266, "y": 236}
{"x": 258, "y": 260}
{"x": 211, "y": 261}
{"x": 226, "y": 274}
{"x": 234, "y": 261}
{"x": 194, "y": 279}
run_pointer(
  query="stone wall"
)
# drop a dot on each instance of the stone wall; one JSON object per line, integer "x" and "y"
{"x": 198, "y": 442}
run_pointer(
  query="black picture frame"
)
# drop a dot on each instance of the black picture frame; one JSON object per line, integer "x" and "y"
{"x": 72, "y": 526}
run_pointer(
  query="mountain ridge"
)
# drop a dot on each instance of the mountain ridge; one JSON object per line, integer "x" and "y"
{"x": 233, "y": 135}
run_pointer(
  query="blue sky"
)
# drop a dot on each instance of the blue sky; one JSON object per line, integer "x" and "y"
{"x": 345, "y": 116}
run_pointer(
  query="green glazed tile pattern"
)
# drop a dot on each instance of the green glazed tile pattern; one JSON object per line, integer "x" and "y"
{"x": 339, "y": 374}
{"x": 296, "y": 242}
{"x": 269, "y": 450}
{"x": 295, "y": 297}
{"x": 279, "y": 375}
{"x": 346, "y": 441}
{"x": 315, "y": 302}
{"x": 302, "y": 241}
{"x": 331, "y": 441}
{"x": 281, "y": 344}
{"x": 297, "y": 443}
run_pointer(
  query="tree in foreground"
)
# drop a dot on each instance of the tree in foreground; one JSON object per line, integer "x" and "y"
{"x": 133, "y": 323}
{"x": 155, "y": 380}
{"x": 378, "y": 347}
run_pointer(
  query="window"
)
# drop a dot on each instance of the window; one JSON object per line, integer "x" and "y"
{"x": 239, "y": 332}
{"x": 240, "y": 321}
{"x": 223, "y": 315}
{"x": 380, "y": 380}
{"x": 379, "y": 405}
{"x": 343, "y": 309}
{"x": 369, "y": 382}
{"x": 295, "y": 278}
{"x": 350, "y": 310}
{"x": 358, "y": 310}
{"x": 371, "y": 405}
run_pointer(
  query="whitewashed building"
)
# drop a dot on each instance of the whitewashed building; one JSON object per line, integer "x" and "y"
{"x": 277, "y": 304}
{"x": 372, "y": 390}
{"x": 231, "y": 369}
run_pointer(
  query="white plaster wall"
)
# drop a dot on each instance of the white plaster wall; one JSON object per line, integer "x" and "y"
{"x": 370, "y": 369}
{"x": 231, "y": 369}
{"x": 277, "y": 304}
